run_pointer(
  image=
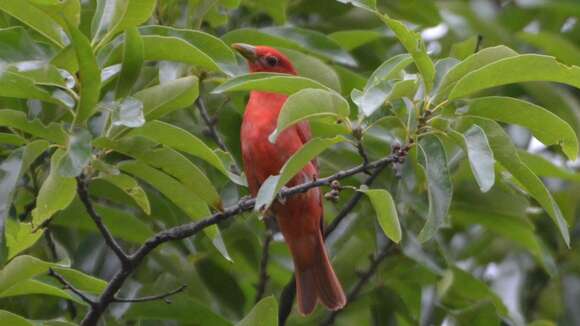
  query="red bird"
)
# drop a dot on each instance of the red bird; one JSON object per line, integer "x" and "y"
{"x": 299, "y": 217}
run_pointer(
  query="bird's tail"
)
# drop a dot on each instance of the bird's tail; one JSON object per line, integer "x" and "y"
{"x": 315, "y": 277}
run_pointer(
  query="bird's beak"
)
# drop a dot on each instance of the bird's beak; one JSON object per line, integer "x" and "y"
{"x": 246, "y": 50}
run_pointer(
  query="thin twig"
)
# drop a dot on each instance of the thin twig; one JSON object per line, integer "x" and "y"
{"x": 190, "y": 229}
{"x": 69, "y": 286}
{"x": 164, "y": 296}
{"x": 261, "y": 288}
{"x": 52, "y": 248}
{"x": 210, "y": 124}
{"x": 363, "y": 280}
{"x": 109, "y": 239}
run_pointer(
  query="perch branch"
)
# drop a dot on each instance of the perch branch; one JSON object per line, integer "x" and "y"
{"x": 190, "y": 229}
{"x": 261, "y": 288}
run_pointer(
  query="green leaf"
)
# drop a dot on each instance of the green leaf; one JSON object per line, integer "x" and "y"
{"x": 11, "y": 139}
{"x": 308, "y": 41}
{"x": 77, "y": 155}
{"x": 309, "y": 104}
{"x": 17, "y": 119}
{"x": 390, "y": 69}
{"x": 506, "y": 154}
{"x": 115, "y": 16}
{"x": 291, "y": 168}
{"x": 174, "y": 164}
{"x": 162, "y": 99}
{"x": 133, "y": 57}
{"x": 181, "y": 140}
{"x": 264, "y": 313}
{"x": 132, "y": 188}
{"x": 29, "y": 287}
{"x": 554, "y": 44}
{"x": 374, "y": 97}
{"x": 181, "y": 309}
{"x": 545, "y": 125}
{"x": 352, "y": 39}
{"x": 543, "y": 167}
{"x": 20, "y": 236}
{"x": 123, "y": 224}
{"x": 268, "y": 82}
{"x": 415, "y": 46}
{"x": 36, "y": 19}
{"x": 60, "y": 10}
{"x": 55, "y": 194}
{"x": 8, "y": 318}
{"x": 475, "y": 144}
{"x": 221, "y": 54}
{"x": 439, "y": 186}
{"x": 89, "y": 76}
{"x": 386, "y": 210}
{"x": 173, "y": 190}
{"x": 313, "y": 68}
{"x": 10, "y": 170}
{"x": 517, "y": 229}
{"x": 521, "y": 68}
{"x": 460, "y": 289}
{"x": 16, "y": 85}
{"x": 472, "y": 63}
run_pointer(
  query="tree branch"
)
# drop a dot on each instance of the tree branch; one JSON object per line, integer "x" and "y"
{"x": 109, "y": 239}
{"x": 190, "y": 229}
{"x": 164, "y": 296}
{"x": 69, "y": 286}
{"x": 363, "y": 280}
{"x": 261, "y": 288}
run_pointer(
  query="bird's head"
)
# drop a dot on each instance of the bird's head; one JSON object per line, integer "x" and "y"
{"x": 265, "y": 59}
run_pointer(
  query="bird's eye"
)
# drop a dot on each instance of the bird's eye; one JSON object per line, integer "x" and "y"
{"x": 271, "y": 61}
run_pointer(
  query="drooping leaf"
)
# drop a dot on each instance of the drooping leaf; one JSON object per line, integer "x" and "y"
{"x": 29, "y": 287}
{"x": 55, "y": 194}
{"x": 390, "y": 69}
{"x": 181, "y": 140}
{"x": 308, "y": 104}
{"x": 439, "y": 186}
{"x": 516, "y": 69}
{"x": 543, "y": 167}
{"x": 386, "y": 210}
{"x": 264, "y": 313}
{"x": 132, "y": 62}
{"x": 311, "y": 67}
{"x": 173, "y": 190}
{"x": 291, "y": 168}
{"x": 372, "y": 98}
{"x": 475, "y": 144}
{"x": 506, "y": 154}
{"x": 268, "y": 82}
{"x": 545, "y": 125}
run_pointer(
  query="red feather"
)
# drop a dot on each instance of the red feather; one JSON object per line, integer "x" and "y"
{"x": 300, "y": 217}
